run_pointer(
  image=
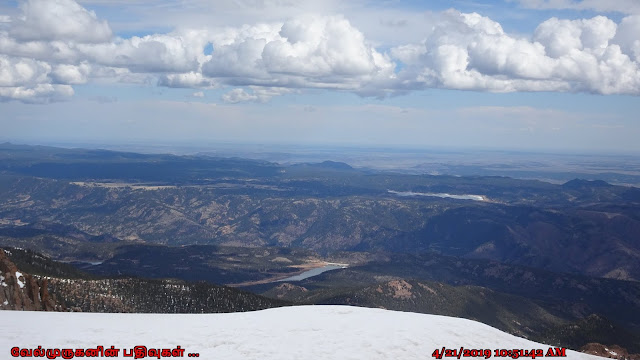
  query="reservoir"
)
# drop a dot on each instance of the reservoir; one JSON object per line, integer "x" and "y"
{"x": 440, "y": 195}
{"x": 314, "y": 272}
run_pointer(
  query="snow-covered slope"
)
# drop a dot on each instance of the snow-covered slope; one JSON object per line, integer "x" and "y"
{"x": 303, "y": 332}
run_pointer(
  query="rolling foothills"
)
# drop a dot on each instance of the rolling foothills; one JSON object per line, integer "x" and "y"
{"x": 105, "y": 231}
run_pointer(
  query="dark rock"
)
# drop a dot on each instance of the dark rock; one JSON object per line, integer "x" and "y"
{"x": 612, "y": 352}
{"x": 20, "y": 291}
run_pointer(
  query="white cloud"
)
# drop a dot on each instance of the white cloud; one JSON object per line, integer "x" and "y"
{"x": 152, "y": 53}
{"x": 560, "y": 37}
{"x": 627, "y": 36}
{"x": 311, "y": 51}
{"x": 58, "y": 42}
{"x": 257, "y": 94}
{"x": 29, "y": 80}
{"x": 470, "y": 52}
{"x": 186, "y": 80}
{"x": 40, "y": 93}
{"x": 38, "y": 59}
{"x": 58, "y": 20}
{"x": 21, "y": 72}
{"x": 238, "y": 95}
{"x": 71, "y": 74}
{"x": 198, "y": 94}
{"x": 319, "y": 46}
{"x": 55, "y": 51}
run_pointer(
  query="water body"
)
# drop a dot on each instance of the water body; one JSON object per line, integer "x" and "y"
{"x": 313, "y": 272}
{"x": 440, "y": 195}
{"x": 83, "y": 264}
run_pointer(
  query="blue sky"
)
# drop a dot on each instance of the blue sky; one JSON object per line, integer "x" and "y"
{"x": 515, "y": 74}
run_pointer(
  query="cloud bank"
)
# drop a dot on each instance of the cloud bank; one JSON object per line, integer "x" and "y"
{"x": 52, "y": 45}
{"x": 472, "y": 52}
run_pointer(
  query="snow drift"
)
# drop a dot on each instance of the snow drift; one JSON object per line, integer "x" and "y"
{"x": 301, "y": 332}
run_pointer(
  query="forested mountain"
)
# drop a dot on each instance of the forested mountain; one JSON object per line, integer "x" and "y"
{"x": 55, "y": 286}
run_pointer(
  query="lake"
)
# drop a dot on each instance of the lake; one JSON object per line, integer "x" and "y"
{"x": 440, "y": 195}
{"x": 313, "y": 272}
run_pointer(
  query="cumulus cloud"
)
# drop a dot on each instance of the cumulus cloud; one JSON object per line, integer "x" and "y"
{"x": 186, "y": 80}
{"x": 560, "y": 37}
{"x": 311, "y": 51}
{"x": 38, "y": 62}
{"x": 58, "y": 42}
{"x": 59, "y": 20}
{"x": 29, "y": 80}
{"x": 71, "y": 74}
{"x": 53, "y": 44}
{"x": 627, "y": 36}
{"x": 21, "y": 72}
{"x": 54, "y": 51}
{"x": 153, "y": 53}
{"x": 40, "y": 93}
{"x": 472, "y": 52}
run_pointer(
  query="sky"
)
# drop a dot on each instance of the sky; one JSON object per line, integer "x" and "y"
{"x": 504, "y": 74}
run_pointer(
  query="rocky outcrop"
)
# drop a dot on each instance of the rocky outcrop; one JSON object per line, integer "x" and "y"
{"x": 288, "y": 291}
{"x": 20, "y": 291}
{"x": 612, "y": 352}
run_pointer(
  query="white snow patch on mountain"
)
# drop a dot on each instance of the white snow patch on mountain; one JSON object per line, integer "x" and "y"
{"x": 301, "y": 332}
{"x": 20, "y": 283}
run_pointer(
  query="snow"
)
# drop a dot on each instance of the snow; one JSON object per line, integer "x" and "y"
{"x": 301, "y": 332}
{"x": 20, "y": 283}
{"x": 2, "y": 283}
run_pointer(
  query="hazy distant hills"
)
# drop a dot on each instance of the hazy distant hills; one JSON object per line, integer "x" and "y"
{"x": 592, "y": 231}
{"x": 70, "y": 164}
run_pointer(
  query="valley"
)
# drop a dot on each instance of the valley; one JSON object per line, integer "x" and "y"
{"x": 555, "y": 263}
